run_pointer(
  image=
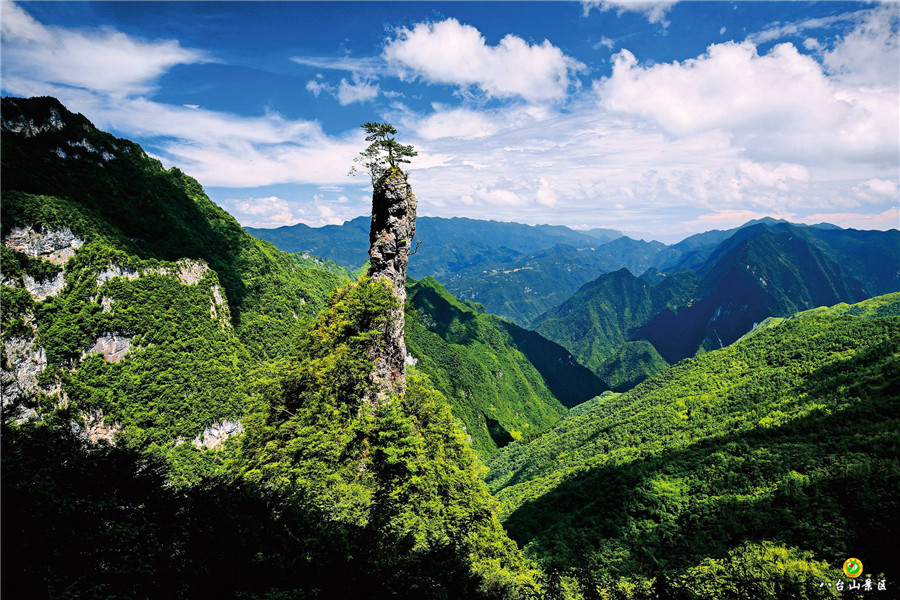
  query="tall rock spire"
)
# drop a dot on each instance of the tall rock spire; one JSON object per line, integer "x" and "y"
{"x": 390, "y": 237}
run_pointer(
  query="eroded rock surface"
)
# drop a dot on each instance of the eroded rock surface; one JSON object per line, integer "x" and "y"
{"x": 216, "y": 434}
{"x": 94, "y": 430}
{"x": 391, "y": 234}
{"x": 113, "y": 346}
{"x": 57, "y": 246}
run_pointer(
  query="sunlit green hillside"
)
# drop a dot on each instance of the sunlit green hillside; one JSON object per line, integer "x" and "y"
{"x": 789, "y": 437}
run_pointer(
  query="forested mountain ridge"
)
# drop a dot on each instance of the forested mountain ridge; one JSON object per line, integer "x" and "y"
{"x": 784, "y": 442}
{"x": 761, "y": 270}
{"x": 208, "y": 392}
{"x": 505, "y": 382}
{"x": 133, "y": 305}
{"x": 448, "y": 245}
{"x": 517, "y": 271}
{"x": 152, "y": 255}
{"x": 520, "y": 272}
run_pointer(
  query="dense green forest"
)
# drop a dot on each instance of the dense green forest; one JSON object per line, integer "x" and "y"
{"x": 183, "y": 411}
{"x": 506, "y": 382}
{"x": 205, "y": 389}
{"x": 784, "y": 444}
{"x": 198, "y": 332}
{"x": 626, "y": 328}
{"x": 324, "y": 495}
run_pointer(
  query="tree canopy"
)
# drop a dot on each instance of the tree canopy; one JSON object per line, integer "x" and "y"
{"x": 384, "y": 153}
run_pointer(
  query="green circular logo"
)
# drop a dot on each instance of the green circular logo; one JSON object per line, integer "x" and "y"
{"x": 853, "y": 568}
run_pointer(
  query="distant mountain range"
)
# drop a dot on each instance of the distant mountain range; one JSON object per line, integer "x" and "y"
{"x": 762, "y": 270}
{"x": 626, "y": 308}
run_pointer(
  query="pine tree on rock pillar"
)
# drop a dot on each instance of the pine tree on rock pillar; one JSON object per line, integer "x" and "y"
{"x": 390, "y": 237}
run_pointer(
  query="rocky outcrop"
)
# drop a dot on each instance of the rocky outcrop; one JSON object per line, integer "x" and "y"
{"x": 113, "y": 346}
{"x": 23, "y": 361}
{"x": 41, "y": 289}
{"x": 94, "y": 430}
{"x": 216, "y": 434}
{"x": 187, "y": 271}
{"x": 392, "y": 230}
{"x": 57, "y": 246}
{"x": 28, "y": 127}
{"x": 26, "y": 360}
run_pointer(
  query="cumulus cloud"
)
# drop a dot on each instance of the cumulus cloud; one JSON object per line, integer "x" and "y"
{"x": 347, "y": 92}
{"x": 102, "y": 60}
{"x": 273, "y": 211}
{"x": 453, "y": 122}
{"x": 316, "y": 87}
{"x": 654, "y": 10}
{"x": 868, "y": 55}
{"x": 877, "y": 190}
{"x": 359, "y": 90}
{"x": 780, "y": 105}
{"x": 448, "y": 52}
{"x": 604, "y": 42}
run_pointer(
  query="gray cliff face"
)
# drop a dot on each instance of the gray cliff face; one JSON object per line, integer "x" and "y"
{"x": 392, "y": 231}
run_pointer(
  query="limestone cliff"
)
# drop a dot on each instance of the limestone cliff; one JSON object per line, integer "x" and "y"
{"x": 390, "y": 236}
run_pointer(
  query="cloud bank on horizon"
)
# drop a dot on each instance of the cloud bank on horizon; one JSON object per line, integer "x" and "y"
{"x": 599, "y": 114}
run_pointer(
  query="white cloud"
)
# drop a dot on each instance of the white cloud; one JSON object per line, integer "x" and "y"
{"x": 870, "y": 53}
{"x": 316, "y": 87}
{"x": 456, "y": 122}
{"x": 101, "y": 60}
{"x": 779, "y": 30}
{"x": 448, "y": 52}
{"x": 654, "y": 10}
{"x": 781, "y": 176}
{"x": 264, "y": 212}
{"x": 877, "y": 190}
{"x": 545, "y": 194}
{"x": 604, "y": 42}
{"x": 347, "y": 92}
{"x": 368, "y": 66}
{"x": 357, "y": 91}
{"x": 779, "y": 106}
{"x": 272, "y": 211}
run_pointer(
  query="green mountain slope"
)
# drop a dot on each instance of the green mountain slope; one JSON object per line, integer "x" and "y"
{"x": 786, "y": 439}
{"x": 504, "y": 382}
{"x": 522, "y": 290}
{"x": 182, "y": 412}
{"x": 109, "y": 188}
{"x": 133, "y": 305}
{"x": 596, "y": 322}
{"x": 757, "y": 273}
{"x": 761, "y": 270}
{"x": 324, "y": 495}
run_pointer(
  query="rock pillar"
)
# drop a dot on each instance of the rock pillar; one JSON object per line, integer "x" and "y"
{"x": 390, "y": 237}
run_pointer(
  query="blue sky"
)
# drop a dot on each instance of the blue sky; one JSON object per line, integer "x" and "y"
{"x": 659, "y": 118}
